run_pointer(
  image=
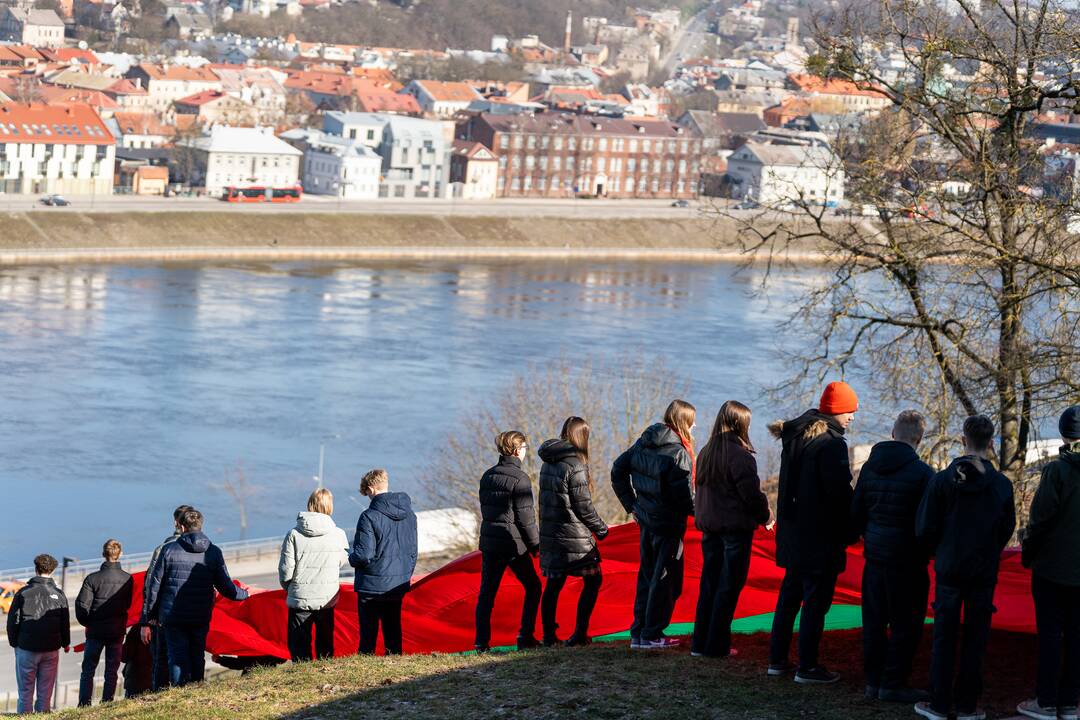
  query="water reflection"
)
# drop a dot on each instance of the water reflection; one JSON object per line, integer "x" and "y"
{"x": 131, "y": 389}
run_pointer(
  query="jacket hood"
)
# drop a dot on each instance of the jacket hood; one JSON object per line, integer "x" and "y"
{"x": 314, "y": 524}
{"x": 553, "y": 451}
{"x": 394, "y": 505}
{"x": 194, "y": 542}
{"x": 41, "y": 580}
{"x": 1071, "y": 454}
{"x": 969, "y": 473}
{"x": 659, "y": 435}
{"x": 809, "y": 425}
{"x": 889, "y": 457}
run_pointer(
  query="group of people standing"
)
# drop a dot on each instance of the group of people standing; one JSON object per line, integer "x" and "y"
{"x": 962, "y": 517}
{"x": 906, "y": 513}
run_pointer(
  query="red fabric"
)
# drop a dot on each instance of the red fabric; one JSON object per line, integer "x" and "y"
{"x": 438, "y": 615}
{"x": 837, "y": 399}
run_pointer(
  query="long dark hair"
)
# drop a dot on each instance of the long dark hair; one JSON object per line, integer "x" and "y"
{"x": 734, "y": 420}
{"x": 576, "y": 432}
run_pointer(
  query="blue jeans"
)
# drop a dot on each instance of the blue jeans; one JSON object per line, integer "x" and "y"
{"x": 186, "y": 647}
{"x": 36, "y": 670}
{"x": 91, "y": 655}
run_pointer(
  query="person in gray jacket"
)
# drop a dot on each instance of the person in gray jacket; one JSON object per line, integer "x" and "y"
{"x": 309, "y": 570}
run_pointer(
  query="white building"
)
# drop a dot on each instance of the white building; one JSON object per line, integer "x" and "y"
{"x": 778, "y": 175}
{"x": 55, "y": 149}
{"x": 40, "y": 28}
{"x": 474, "y": 171}
{"x": 442, "y": 99}
{"x": 243, "y": 157}
{"x": 415, "y": 153}
{"x": 337, "y": 166}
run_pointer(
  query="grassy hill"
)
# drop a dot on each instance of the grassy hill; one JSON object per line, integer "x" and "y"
{"x": 606, "y": 680}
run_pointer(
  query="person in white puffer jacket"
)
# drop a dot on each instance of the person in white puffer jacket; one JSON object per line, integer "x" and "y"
{"x": 312, "y": 556}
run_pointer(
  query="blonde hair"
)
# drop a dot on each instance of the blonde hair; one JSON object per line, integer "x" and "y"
{"x": 111, "y": 550}
{"x": 321, "y": 501}
{"x": 509, "y": 443}
{"x": 372, "y": 480}
{"x": 680, "y": 417}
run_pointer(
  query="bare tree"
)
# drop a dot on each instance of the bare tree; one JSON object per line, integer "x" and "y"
{"x": 619, "y": 400}
{"x": 240, "y": 489}
{"x": 962, "y": 294}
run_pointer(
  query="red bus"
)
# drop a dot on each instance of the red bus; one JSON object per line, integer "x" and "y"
{"x": 262, "y": 194}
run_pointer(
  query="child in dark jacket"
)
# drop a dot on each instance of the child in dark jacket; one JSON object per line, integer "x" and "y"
{"x": 384, "y": 555}
{"x": 509, "y": 539}
{"x": 967, "y": 518}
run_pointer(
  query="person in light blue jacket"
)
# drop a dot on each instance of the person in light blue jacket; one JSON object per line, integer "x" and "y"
{"x": 384, "y": 555}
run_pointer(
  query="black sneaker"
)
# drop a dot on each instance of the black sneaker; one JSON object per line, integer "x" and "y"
{"x": 551, "y": 641}
{"x": 778, "y": 670}
{"x": 576, "y": 640}
{"x": 871, "y": 692}
{"x": 527, "y": 642}
{"x": 481, "y": 649}
{"x": 816, "y": 676}
{"x": 903, "y": 695}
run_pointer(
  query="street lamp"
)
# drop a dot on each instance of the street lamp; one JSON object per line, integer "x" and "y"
{"x": 319, "y": 478}
{"x": 63, "y": 588}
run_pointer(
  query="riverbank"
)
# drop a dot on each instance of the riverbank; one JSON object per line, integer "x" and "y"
{"x": 70, "y": 237}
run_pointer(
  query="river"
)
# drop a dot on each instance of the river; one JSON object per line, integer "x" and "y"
{"x": 130, "y": 389}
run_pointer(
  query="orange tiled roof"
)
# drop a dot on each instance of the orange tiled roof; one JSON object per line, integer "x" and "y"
{"x": 832, "y": 86}
{"x": 178, "y": 72}
{"x": 75, "y": 124}
{"x": 449, "y": 91}
{"x": 388, "y": 102}
{"x": 202, "y": 98}
{"x": 134, "y": 123}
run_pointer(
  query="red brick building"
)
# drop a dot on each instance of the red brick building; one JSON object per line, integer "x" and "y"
{"x": 563, "y": 155}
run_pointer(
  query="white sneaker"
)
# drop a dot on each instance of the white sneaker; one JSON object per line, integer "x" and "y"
{"x": 661, "y": 643}
{"x": 928, "y": 712}
{"x": 1032, "y": 709}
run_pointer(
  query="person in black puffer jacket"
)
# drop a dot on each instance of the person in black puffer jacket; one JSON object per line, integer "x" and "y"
{"x": 509, "y": 538}
{"x": 38, "y": 625}
{"x": 102, "y": 608}
{"x": 652, "y": 481}
{"x": 966, "y": 518}
{"x": 729, "y": 506}
{"x": 180, "y": 597}
{"x": 568, "y": 522}
{"x": 813, "y": 508}
{"x": 895, "y": 582}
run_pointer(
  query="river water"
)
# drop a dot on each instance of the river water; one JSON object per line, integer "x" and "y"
{"x": 130, "y": 389}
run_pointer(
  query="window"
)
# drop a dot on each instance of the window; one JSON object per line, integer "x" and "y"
{"x": 615, "y": 185}
{"x": 515, "y": 183}
{"x": 531, "y": 142}
{"x": 656, "y": 185}
{"x": 646, "y": 145}
{"x": 502, "y": 162}
{"x": 631, "y": 164}
{"x": 571, "y": 143}
{"x": 399, "y": 191}
{"x": 540, "y": 184}
{"x": 616, "y": 164}
{"x": 667, "y": 186}
{"x": 515, "y": 162}
{"x": 530, "y": 162}
{"x": 682, "y": 146}
{"x": 556, "y": 163}
{"x": 642, "y": 183}
{"x": 617, "y": 144}
{"x": 504, "y": 141}
{"x": 600, "y": 164}
{"x": 543, "y": 162}
{"x": 681, "y": 187}
{"x": 370, "y": 135}
{"x": 570, "y": 163}
{"x": 602, "y": 144}
{"x": 544, "y": 141}
{"x": 587, "y": 144}
{"x": 682, "y": 166}
{"x": 670, "y": 165}
{"x": 555, "y": 183}
{"x": 633, "y": 145}
{"x": 671, "y": 146}
{"x": 518, "y": 141}
{"x": 502, "y": 182}
{"x": 558, "y": 142}
{"x": 528, "y": 182}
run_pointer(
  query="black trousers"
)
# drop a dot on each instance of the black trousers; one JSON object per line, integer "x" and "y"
{"x": 301, "y": 623}
{"x": 160, "y": 676}
{"x": 376, "y": 610}
{"x": 893, "y": 612}
{"x": 725, "y": 565}
{"x": 492, "y": 569}
{"x": 1057, "y": 618}
{"x": 659, "y": 583}
{"x": 549, "y": 604}
{"x": 813, "y": 594}
{"x": 961, "y": 617}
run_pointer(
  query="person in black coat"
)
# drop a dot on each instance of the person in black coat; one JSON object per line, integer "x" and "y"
{"x": 652, "y": 481}
{"x": 384, "y": 554}
{"x": 568, "y": 523}
{"x": 1052, "y": 550}
{"x": 966, "y": 518}
{"x": 813, "y": 506}
{"x": 102, "y": 608}
{"x": 509, "y": 538}
{"x": 38, "y": 625}
{"x": 180, "y": 597}
{"x": 729, "y": 506}
{"x": 895, "y": 582}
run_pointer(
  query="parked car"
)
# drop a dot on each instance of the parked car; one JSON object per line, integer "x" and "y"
{"x": 55, "y": 201}
{"x": 681, "y": 204}
{"x": 747, "y": 205}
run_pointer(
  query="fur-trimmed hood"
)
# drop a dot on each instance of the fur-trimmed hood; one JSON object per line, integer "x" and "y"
{"x": 809, "y": 425}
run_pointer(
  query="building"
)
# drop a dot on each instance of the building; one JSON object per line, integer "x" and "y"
{"x": 135, "y": 130}
{"x": 781, "y": 173}
{"x": 721, "y": 131}
{"x": 165, "y": 84}
{"x": 564, "y": 155}
{"x": 55, "y": 149}
{"x": 414, "y": 152}
{"x": 851, "y": 98}
{"x": 442, "y": 99}
{"x": 338, "y": 166}
{"x": 261, "y": 88}
{"x": 189, "y": 25}
{"x": 242, "y": 157}
{"x": 211, "y": 107}
{"x": 39, "y": 28}
{"x": 474, "y": 171}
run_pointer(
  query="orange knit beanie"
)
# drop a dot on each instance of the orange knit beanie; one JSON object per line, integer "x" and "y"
{"x": 838, "y": 399}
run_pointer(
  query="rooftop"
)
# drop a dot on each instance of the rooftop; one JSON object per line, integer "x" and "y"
{"x": 833, "y": 86}
{"x": 242, "y": 140}
{"x": 74, "y": 124}
{"x": 448, "y": 91}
